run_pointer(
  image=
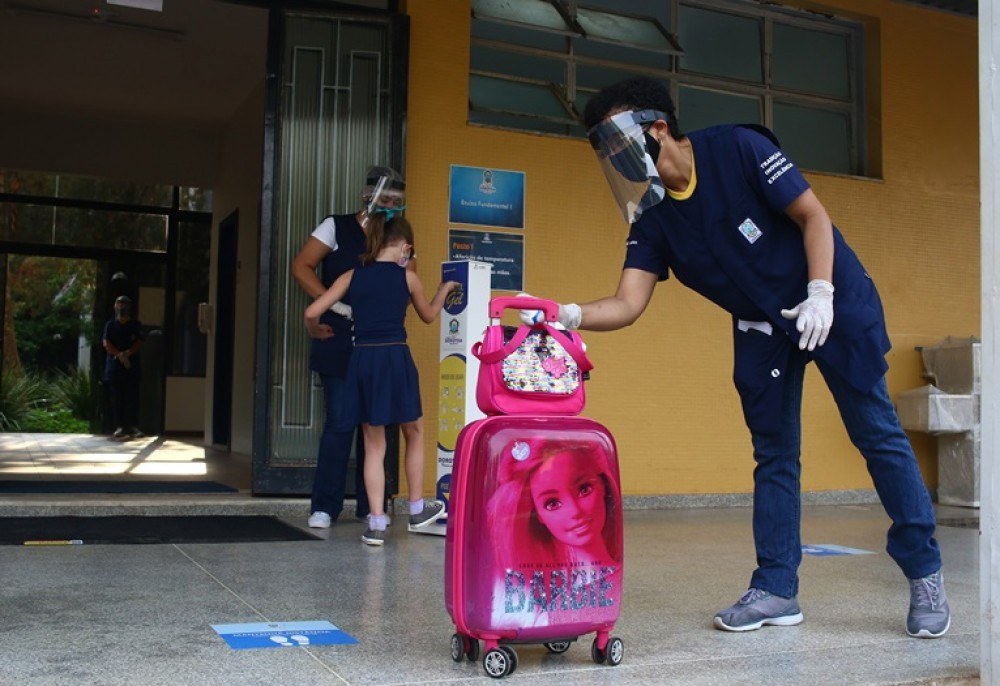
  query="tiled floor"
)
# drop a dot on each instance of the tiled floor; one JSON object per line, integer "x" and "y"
{"x": 136, "y": 615}
{"x": 86, "y": 456}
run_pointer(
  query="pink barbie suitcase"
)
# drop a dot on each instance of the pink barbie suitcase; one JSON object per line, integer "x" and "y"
{"x": 533, "y": 551}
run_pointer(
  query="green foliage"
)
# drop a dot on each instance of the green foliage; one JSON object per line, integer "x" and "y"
{"x": 51, "y": 300}
{"x": 20, "y": 396}
{"x": 30, "y": 402}
{"x": 72, "y": 391}
{"x": 56, "y": 420}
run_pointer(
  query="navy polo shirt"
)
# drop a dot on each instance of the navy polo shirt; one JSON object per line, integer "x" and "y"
{"x": 674, "y": 235}
{"x": 121, "y": 335}
{"x": 731, "y": 241}
{"x": 330, "y": 356}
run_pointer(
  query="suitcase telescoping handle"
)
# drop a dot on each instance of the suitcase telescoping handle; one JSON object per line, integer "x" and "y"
{"x": 498, "y": 305}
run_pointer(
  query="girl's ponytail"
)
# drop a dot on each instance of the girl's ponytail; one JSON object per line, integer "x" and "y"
{"x": 382, "y": 233}
{"x": 376, "y": 237}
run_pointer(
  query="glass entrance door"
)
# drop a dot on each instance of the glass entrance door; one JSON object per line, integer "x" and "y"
{"x": 339, "y": 110}
{"x": 70, "y": 245}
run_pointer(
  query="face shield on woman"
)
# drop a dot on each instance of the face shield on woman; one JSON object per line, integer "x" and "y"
{"x": 384, "y": 192}
{"x": 620, "y": 144}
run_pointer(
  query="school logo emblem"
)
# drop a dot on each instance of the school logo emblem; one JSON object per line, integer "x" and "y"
{"x": 750, "y": 230}
{"x": 487, "y": 186}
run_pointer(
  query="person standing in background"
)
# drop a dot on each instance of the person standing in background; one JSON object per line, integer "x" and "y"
{"x": 122, "y": 340}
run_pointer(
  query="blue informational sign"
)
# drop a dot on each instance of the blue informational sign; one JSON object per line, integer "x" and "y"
{"x": 828, "y": 549}
{"x": 281, "y": 635}
{"x": 490, "y": 197}
{"x": 505, "y": 251}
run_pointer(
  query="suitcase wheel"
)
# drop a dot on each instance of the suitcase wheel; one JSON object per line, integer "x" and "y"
{"x": 464, "y": 647}
{"x": 612, "y": 654}
{"x": 500, "y": 662}
{"x": 457, "y": 648}
{"x": 558, "y": 647}
{"x": 513, "y": 658}
{"x": 472, "y": 649}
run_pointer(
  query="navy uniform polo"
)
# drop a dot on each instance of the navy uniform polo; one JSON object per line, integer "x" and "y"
{"x": 122, "y": 335}
{"x": 731, "y": 241}
{"x": 330, "y": 356}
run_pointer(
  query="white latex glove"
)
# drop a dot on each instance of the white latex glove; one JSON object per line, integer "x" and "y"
{"x": 343, "y": 309}
{"x": 123, "y": 359}
{"x": 569, "y": 315}
{"x": 814, "y": 315}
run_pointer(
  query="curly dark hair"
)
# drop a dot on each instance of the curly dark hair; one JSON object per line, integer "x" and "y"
{"x": 636, "y": 93}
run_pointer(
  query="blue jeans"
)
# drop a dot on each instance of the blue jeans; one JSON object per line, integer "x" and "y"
{"x": 872, "y": 424}
{"x": 334, "y": 454}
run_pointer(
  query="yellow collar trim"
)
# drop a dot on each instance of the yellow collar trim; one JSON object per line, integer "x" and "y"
{"x": 689, "y": 191}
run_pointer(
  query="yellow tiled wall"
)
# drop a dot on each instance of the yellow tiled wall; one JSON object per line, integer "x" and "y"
{"x": 664, "y": 386}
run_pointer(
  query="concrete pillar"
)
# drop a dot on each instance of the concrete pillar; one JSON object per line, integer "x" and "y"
{"x": 989, "y": 162}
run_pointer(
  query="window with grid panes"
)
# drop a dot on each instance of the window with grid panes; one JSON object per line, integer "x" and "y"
{"x": 535, "y": 63}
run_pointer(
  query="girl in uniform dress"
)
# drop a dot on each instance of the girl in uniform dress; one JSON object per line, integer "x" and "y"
{"x": 382, "y": 387}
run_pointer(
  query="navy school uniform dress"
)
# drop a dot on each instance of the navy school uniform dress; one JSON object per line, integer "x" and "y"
{"x": 382, "y": 383}
{"x": 728, "y": 238}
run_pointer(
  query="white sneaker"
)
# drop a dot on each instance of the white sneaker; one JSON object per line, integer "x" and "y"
{"x": 319, "y": 520}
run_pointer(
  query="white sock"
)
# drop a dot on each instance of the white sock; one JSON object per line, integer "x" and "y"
{"x": 416, "y": 506}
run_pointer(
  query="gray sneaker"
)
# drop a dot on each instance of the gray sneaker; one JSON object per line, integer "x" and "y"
{"x": 757, "y": 608}
{"x": 373, "y": 536}
{"x": 929, "y": 615}
{"x": 433, "y": 509}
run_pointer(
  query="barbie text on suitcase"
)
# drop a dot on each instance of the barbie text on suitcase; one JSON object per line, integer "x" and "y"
{"x": 534, "y": 540}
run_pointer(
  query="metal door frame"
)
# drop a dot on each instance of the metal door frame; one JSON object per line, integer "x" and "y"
{"x": 277, "y": 480}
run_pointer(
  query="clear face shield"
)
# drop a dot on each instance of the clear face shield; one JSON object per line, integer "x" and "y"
{"x": 384, "y": 195}
{"x": 620, "y": 144}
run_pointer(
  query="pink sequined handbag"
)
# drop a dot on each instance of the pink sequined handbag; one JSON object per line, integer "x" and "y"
{"x": 530, "y": 369}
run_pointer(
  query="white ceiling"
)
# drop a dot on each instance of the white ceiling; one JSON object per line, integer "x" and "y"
{"x": 191, "y": 65}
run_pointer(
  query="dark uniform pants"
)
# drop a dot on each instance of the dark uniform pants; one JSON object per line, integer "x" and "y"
{"x": 125, "y": 400}
{"x": 330, "y": 481}
{"x": 768, "y": 373}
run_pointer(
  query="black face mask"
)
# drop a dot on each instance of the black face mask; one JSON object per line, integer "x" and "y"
{"x": 122, "y": 312}
{"x": 652, "y": 146}
{"x": 627, "y": 163}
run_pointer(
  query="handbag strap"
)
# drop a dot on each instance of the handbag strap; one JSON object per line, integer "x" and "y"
{"x": 490, "y": 356}
{"x": 571, "y": 346}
